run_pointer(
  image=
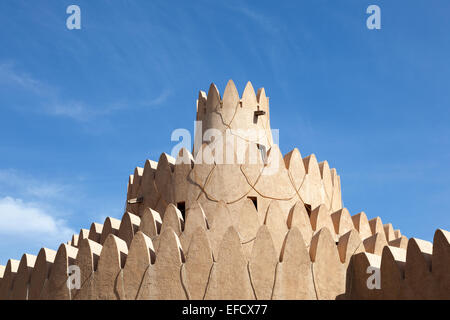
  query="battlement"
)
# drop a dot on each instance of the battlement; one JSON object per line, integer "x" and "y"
{"x": 206, "y": 230}
{"x": 246, "y": 118}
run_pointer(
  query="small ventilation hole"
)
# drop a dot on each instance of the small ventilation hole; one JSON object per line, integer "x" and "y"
{"x": 255, "y": 201}
{"x": 182, "y": 207}
{"x": 308, "y": 209}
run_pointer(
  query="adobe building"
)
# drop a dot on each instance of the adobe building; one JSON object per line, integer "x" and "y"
{"x": 235, "y": 219}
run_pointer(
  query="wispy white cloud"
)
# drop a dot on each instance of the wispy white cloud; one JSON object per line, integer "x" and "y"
{"x": 46, "y": 190}
{"x": 51, "y": 102}
{"x": 23, "y": 185}
{"x": 160, "y": 99}
{"x": 264, "y": 21}
{"x": 33, "y": 213}
{"x": 22, "y": 219}
{"x": 76, "y": 110}
{"x": 10, "y": 76}
{"x": 82, "y": 112}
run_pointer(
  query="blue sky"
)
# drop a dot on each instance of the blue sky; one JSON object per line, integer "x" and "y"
{"x": 81, "y": 108}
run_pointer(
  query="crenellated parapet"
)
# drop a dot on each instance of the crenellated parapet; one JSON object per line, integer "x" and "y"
{"x": 281, "y": 257}
{"x": 232, "y": 118}
{"x": 274, "y": 228}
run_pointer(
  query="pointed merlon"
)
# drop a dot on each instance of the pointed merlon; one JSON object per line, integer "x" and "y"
{"x": 110, "y": 226}
{"x": 20, "y": 290}
{"x": 293, "y": 278}
{"x": 349, "y": 245}
{"x": 231, "y": 102}
{"x": 199, "y": 261}
{"x": 262, "y": 264}
{"x": 325, "y": 257}
{"x": 74, "y": 241}
{"x": 249, "y": 97}
{"x": 84, "y": 234}
{"x": 294, "y": 163}
{"x": 276, "y": 224}
{"x": 336, "y": 202}
{"x": 342, "y": 221}
{"x": 148, "y": 190}
{"x": 375, "y": 244}
{"x": 87, "y": 260}
{"x": 298, "y": 217}
{"x": 41, "y": 272}
{"x": 440, "y": 262}
{"x": 334, "y": 176}
{"x": 262, "y": 99}
{"x": 326, "y": 178}
{"x": 376, "y": 226}
{"x": 361, "y": 224}
{"x": 2, "y": 272}
{"x": 8, "y": 279}
{"x": 195, "y": 218}
{"x": 401, "y": 242}
{"x": 112, "y": 260}
{"x": 138, "y": 172}
{"x": 140, "y": 256}
{"x": 164, "y": 178}
{"x": 418, "y": 276}
{"x": 128, "y": 227}
{"x": 57, "y": 284}
{"x": 173, "y": 219}
{"x": 312, "y": 166}
{"x": 392, "y": 272}
{"x": 150, "y": 223}
{"x": 183, "y": 168}
{"x": 389, "y": 232}
{"x": 320, "y": 218}
{"x": 163, "y": 281}
{"x": 249, "y": 221}
{"x": 316, "y": 190}
{"x": 184, "y": 157}
{"x": 213, "y": 100}
{"x": 95, "y": 232}
{"x": 364, "y": 271}
{"x": 221, "y": 223}
{"x": 201, "y": 106}
{"x": 230, "y": 278}
{"x": 263, "y": 110}
{"x": 129, "y": 187}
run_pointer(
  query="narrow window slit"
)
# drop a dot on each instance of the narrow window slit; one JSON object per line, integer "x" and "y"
{"x": 308, "y": 209}
{"x": 255, "y": 202}
{"x": 263, "y": 151}
{"x": 182, "y": 207}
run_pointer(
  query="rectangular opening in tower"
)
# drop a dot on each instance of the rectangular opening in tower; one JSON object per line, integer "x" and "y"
{"x": 263, "y": 151}
{"x": 308, "y": 209}
{"x": 255, "y": 201}
{"x": 182, "y": 207}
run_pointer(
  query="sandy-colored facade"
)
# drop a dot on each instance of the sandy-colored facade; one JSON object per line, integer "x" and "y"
{"x": 236, "y": 219}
